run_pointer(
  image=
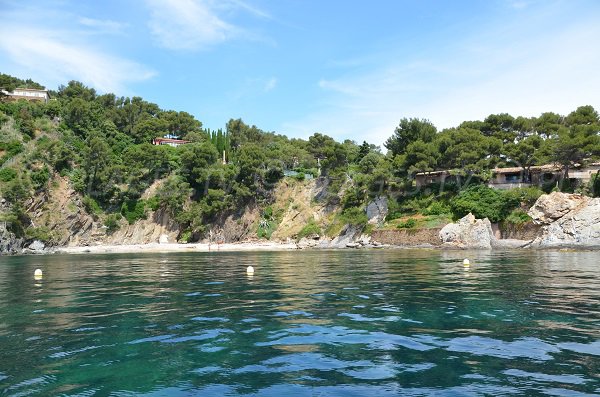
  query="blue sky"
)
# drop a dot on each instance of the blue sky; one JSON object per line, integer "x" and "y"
{"x": 347, "y": 68}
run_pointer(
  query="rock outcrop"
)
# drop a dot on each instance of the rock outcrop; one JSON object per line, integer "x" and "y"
{"x": 550, "y": 207}
{"x": 377, "y": 210}
{"x": 569, "y": 220}
{"x": 9, "y": 243}
{"x": 468, "y": 233}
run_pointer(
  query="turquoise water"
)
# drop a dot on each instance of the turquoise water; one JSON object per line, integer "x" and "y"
{"x": 308, "y": 323}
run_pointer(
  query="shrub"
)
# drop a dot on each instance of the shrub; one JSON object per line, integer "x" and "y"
{"x": 186, "y": 236}
{"x": 112, "y": 222}
{"x": 518, "y": 217}
{"x": 40, "y": 177}
{"x": 41, "y": 233}
{"x": 7, "y": 174}
{"x": 133, "y": 210}
{"x": 410, "y": 223}
{"x": 483, "y": 202}
{"x": 91, "y": 206}
{"x": 354, "y": 216}
{"x": 436, "y": 208}
{"x": 309, "y": 229}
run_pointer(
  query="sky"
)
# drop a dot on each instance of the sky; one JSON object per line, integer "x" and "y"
{"x": 346, "y": 68}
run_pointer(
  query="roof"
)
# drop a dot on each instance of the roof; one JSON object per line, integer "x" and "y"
{"x": 433, "y": 173}
{"x": 171, "y": 140}
{"x": 541, "y": 168}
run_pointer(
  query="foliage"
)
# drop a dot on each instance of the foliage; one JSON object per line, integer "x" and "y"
{"x": 517, "y": 217}
{"x": 410, "y": 223}
{"x": 112, "y": 222}
{"x": 91, "y": 206}
{"x": 483, "y": 202}
{"x": 311, "y": 228}
{"x": 133, "y": 210}
{"x": 41, "y": 233}
{"x": 7, "y": 174}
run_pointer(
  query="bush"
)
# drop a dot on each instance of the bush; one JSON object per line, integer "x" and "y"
{"x": 186, "y": 236}
{"x": 525, "y": 195}
{"x": 354, "y": 216}
{"x": 41, "y": 233}
{"x": 7, "y": 174}
{"x": 518, "y": 217}
{"x": 112, "y": 222}
{"x": 483, "y": 202}
{"x": 91, "y": 206}
{"x": 437, "y": 208}
{"x": 410, "y": 223}
{"x": 309, "y": 229}
{"x": 133, "y": 210}
{"x": 40, "y": 177}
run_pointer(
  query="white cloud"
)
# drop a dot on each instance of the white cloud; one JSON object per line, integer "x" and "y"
{"x": 507, "y": 69}
{"x": 102, "y": 25}
{"x": 51, "y": 57}
{"x": 187, "y": 24}
{"x": 270, "y": 84}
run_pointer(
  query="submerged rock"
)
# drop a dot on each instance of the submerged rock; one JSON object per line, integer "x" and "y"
{"x": 468, "y": 233}
{"x": 570, "y": 220}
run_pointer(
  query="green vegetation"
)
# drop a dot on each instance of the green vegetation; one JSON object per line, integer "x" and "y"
{"x": 102, "y": 144}
{"x": 311, "y": 228}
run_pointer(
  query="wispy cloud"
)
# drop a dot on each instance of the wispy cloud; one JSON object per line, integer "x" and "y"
{"x": 102, "y": 25}
{"x": 187, "y": 24}
{"x": 503, "y": 69}
{"x": 54, "y": 58}
{"x": 270, "y": 84}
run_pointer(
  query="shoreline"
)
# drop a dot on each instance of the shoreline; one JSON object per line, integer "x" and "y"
{"x": 176, "y": 247}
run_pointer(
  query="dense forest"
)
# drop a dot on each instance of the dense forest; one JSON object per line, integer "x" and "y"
{"x": 102, "y": 144}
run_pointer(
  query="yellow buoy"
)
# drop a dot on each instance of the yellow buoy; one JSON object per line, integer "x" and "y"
{"x": 250, "y": 270}
{"x": 466, "y": 262}
{"x": 38, "y": 274}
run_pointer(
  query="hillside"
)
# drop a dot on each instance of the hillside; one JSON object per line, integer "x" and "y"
{"x": 81, "y": 168}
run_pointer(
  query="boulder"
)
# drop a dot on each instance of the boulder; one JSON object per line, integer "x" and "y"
{"x": 468, "y": 233}
{"x": 576, "y": 221}
{"x": 550, "y": 207}
{"x": 377, "y": 210}
{"x": 163, "y": 239}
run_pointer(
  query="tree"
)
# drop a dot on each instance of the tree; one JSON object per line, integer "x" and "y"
{"x": 525, "y": 153}
{"x": 408, "y": 131}
{"x": 420, "y": 157}
{"x": 196, "y": 160}
{"x": 467, "y": 149}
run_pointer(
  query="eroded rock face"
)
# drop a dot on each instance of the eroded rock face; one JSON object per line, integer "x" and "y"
{"x": 576, "y": 221}
{"x": 468, "y": 233}
{"x": 555, "y": 205}
{"x": 377, "y": 210}
{"x": 9, "y": 243}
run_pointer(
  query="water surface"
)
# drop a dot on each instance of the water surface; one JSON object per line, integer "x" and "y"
{"x": 308, "y": 323}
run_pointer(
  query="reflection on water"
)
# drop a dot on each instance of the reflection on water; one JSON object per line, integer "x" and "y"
{"x": 311, "y": 323}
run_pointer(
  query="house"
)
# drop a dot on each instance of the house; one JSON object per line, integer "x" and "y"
{"x": 512, "y": 177}
{"x": 586, "y": 173}
{"x": 29, "y": 94}
{"x": 505, "y": 178}
{"x": 169, "y": 141}
{"x": 427, "y": 178}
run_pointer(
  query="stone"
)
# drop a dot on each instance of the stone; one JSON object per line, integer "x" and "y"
{"x": 550, "y": 207}
{"x": 37, "y": 246}
{"x": 577, "y": 227}
{"x": 163, "y": 239}
{"x": 468, "y": 233}
{"x": 377, "y": 210}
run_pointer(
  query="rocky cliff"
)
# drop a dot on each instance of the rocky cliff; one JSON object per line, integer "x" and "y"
{"x": 568, "y": 220}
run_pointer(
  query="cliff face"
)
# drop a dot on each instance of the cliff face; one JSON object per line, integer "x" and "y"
{"x": 61, "y": 211}
{"x": 568, "y": 220}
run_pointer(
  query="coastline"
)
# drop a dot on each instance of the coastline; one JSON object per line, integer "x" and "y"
{"x": 176, "y": 247}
